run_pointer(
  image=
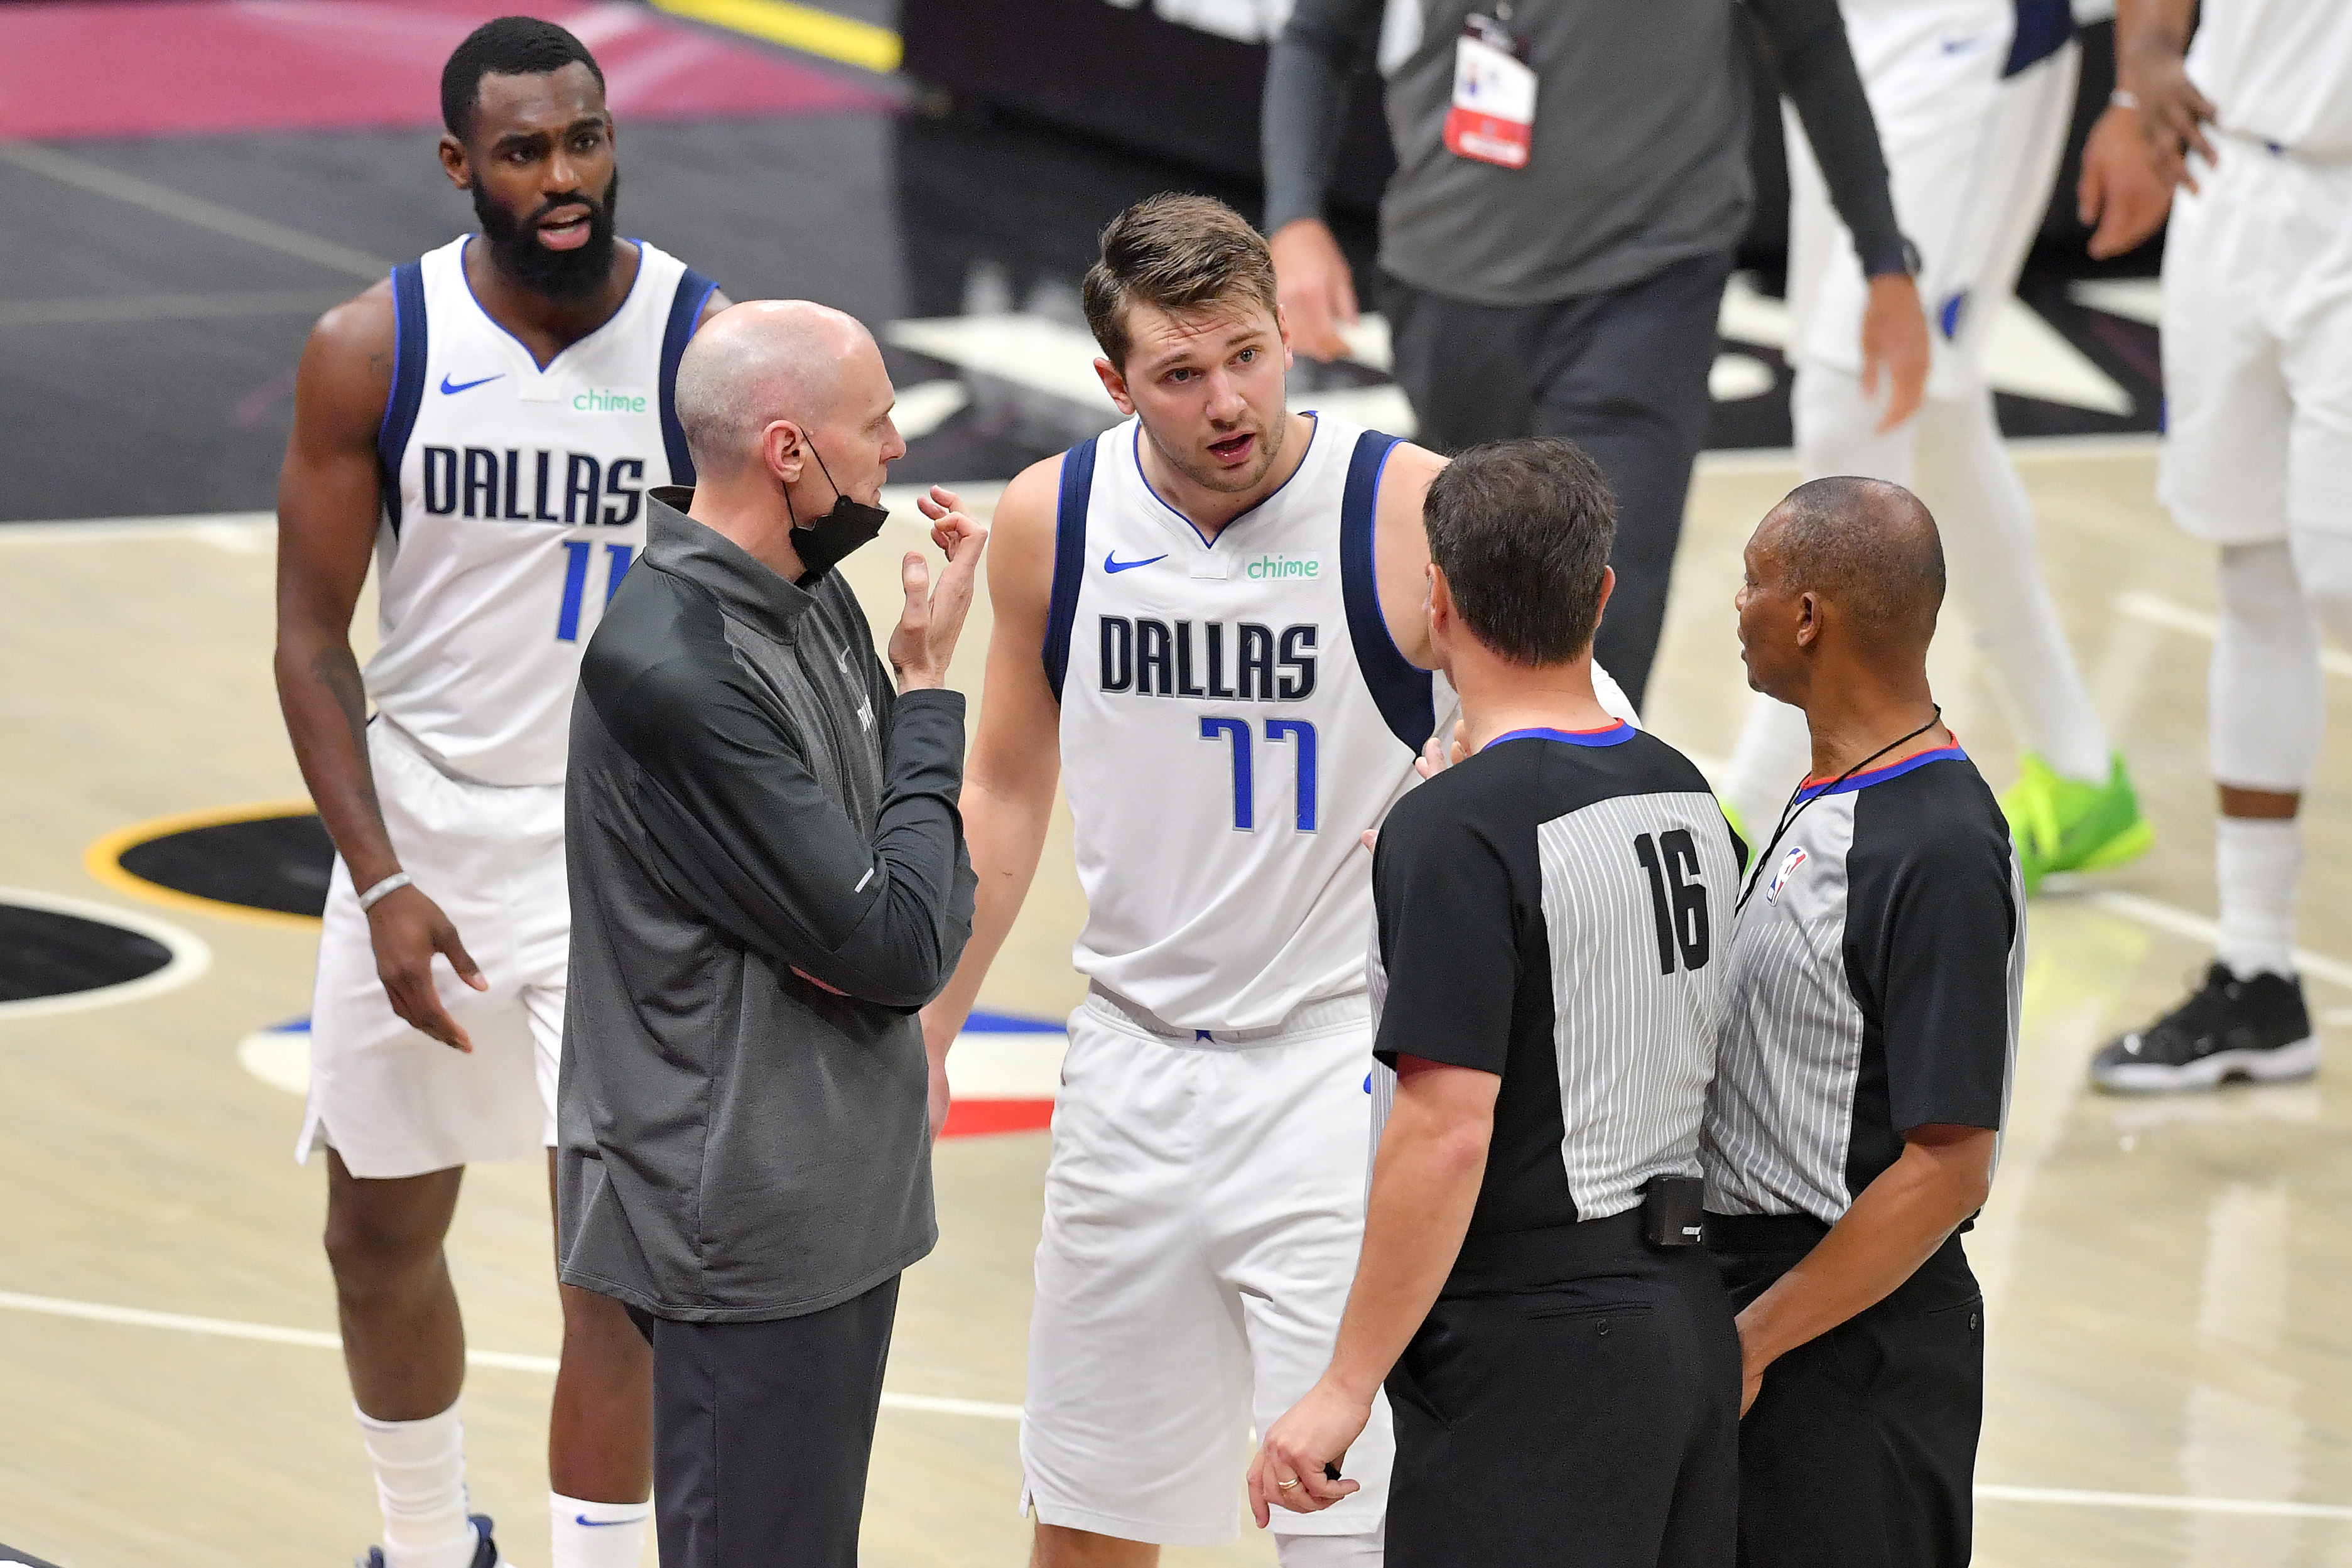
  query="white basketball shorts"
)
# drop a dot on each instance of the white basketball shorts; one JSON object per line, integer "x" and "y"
{"x": 1972, "y": 156}
{"x": 1204, "y": 1209}
{"x": 2257, "y": 348}
{"x": 394, "y": 1102}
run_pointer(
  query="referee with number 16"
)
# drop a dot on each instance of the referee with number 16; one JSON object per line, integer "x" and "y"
{"x": 1558, "y": 1350}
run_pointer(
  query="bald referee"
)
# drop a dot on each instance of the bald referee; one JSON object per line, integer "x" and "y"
{"x": 1869, "y": 1031}
{"x": 1558, "y": 1350}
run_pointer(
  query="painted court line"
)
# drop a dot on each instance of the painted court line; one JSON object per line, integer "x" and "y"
{"x": 2160, "y": 611}
{"x": 100, "y": 180}
{"x": 317, "y": 1338}
{"x": 993, "y": 1410}
{"x": 2198, "y": 928}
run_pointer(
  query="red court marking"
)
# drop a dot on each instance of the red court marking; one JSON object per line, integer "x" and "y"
{"x": 977, "y": 1118}
{"x": 189, "y": 67}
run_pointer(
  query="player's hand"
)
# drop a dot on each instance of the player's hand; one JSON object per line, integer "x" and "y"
{"x": 1314, "y": 286}
{"x": 2120, "y": 191}
{"x": 1895, "y": 347}
{"x": 2173, "y": 113}
{"x": 406, "y": 928}
{"x": 1317, "y": 1431}
{"x": 1441, "y": 753}
{"x": 925, "y": 638}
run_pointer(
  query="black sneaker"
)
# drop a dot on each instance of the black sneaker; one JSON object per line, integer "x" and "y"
{"x": 2256, "y": 1029}
{"x": 486, "y": 1550}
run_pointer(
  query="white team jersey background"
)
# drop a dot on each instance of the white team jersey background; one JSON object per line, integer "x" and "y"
{"x": 522, "y": 503}
{"x": 1204, "y": 922}
{"x": 2279, "y": 70}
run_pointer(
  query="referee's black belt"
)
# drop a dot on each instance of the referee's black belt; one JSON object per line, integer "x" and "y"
{"x": 1795, "y": 1233}
{"x": 1512, "y": 1260}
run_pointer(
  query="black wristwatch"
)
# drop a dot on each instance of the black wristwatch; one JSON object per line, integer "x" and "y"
{"x": 1904, "y": 258}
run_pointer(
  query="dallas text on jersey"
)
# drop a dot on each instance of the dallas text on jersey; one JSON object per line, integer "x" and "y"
{"x": 1155, "y": 658}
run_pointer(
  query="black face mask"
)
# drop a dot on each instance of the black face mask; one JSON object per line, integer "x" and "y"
{"x": 824, "y": 540}
{"x": 565, "y": 275}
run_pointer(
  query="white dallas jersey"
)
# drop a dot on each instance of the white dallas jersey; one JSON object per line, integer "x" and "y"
{"x": 1233, "y": 716}
{"x": 514, "y": 501}
{"x": 2279, "y": 71}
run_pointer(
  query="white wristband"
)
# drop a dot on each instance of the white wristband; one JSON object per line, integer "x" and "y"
{"x": 2122, "y": 99}
{"x": 383, "y": 890}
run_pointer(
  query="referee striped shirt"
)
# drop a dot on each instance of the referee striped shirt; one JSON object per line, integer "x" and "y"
{"x": 1550, "y": 911}
{"x": 1875, "y": 967}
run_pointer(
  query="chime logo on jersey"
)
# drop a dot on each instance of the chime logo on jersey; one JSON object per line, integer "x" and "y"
{"x": 1781, "y": 878}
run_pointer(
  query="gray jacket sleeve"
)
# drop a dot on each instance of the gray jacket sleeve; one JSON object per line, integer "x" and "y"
{"x": 749, "y": 840}
{"x": 1817, "y": 71}
{"x": 1304, "y": 111}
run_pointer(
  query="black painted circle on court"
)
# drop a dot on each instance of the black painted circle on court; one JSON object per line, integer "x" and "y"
{"x": 47, "y": 954}
{"x": 279, "y": 864}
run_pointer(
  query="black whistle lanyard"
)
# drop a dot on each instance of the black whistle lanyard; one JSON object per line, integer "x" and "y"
{"x": 1799, "y": 801}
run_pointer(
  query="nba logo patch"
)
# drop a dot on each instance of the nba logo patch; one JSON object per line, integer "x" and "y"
{"x": 1781, "y": 878}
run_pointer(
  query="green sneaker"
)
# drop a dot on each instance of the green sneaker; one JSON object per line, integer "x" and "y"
{"x": 2062, "y": 824}
{"x": 1731, "y": 815}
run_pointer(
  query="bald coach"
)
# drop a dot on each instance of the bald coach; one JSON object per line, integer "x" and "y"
{"x": 1869, "y": 1028}
{"x": 768, "y": 878}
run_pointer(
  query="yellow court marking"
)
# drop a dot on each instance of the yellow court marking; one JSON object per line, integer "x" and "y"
{"x": 802, "y": 28}
{"x": 103, "y": 861}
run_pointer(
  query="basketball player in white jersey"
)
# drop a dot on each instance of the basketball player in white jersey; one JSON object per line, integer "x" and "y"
{"x": 487, "y": 423}
{"x": 1973, "y": 101}
{"x": 2253, "y": 122}
{"x": 1209, "y": 622}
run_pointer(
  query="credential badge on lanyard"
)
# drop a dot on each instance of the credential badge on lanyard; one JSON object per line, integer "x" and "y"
{"x": 1494, "y": 113}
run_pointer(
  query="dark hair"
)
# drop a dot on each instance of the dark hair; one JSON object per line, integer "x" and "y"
{"x": 1522, "y": 530}
{"x": 1179, "y": 252}
{"x": 507, "y": 46}
{"x": 1868, "y": 547}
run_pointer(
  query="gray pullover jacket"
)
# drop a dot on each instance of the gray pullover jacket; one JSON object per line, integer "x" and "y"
{"x": 1640, "y": 157}
{"x": 748, "y": 795}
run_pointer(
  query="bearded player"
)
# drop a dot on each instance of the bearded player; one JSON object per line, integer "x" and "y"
{"x": 487, "y": 423}
{"x": 1209, "y": 625}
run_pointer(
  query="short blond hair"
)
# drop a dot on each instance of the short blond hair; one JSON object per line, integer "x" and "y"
{"x": 1179, "y": 252}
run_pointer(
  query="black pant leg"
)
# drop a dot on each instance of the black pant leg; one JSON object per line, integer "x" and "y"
{"x": 763, "y": 1434}
{"x": 1591, "y": 1422}
{"x": 1464, "y": 367}
{"x": 1859, "y": 1451}
{"x": 1624, "y": 375}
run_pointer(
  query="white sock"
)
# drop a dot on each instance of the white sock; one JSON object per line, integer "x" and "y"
{"x": 1364, "y": 1551}
{"x": 420, "y": 1479}
{"x": 598, "y": 1534}
{"x": 2257, "y": 862}
{"x": 1774, "y": 754}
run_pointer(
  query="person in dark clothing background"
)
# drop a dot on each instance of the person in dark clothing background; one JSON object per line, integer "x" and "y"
{"x": 1571, "y": 181}
{"x": 768, "y": 879}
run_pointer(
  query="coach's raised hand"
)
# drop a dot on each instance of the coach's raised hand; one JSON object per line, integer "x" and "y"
{"x": 925, "y": 638}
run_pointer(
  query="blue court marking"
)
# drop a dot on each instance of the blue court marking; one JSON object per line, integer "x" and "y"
{"x": 1010, "y": 1023}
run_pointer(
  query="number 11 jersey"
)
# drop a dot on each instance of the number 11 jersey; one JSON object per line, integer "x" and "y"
{"x": 1234, "y": 715}
{"x": 514, "y": 502}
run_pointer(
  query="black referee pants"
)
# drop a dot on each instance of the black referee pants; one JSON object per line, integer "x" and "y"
{"x": 762, "y": 1433}
{"x": 1573, "y": 1398}
{"x": 1861, "y": 1450}
{"x": 1622, "y": 373}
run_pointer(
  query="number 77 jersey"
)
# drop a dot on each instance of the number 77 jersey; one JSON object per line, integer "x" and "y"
{"x": 1234, "y": 715}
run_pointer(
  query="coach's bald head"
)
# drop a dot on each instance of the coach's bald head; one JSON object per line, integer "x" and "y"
{"x": 786, "y": 408}
{"x": 1846, "y": 570}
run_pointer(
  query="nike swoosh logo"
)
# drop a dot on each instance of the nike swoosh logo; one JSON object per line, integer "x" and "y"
{"x": 1958, "y": 46}
{"x": 605, "y": 1523}
{"x": 446, "y": 388}
{"x": 1112, "y": 563}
